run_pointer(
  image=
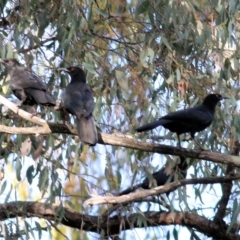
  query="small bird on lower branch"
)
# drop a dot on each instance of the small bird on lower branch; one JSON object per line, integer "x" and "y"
{"x": 161, "y": 177}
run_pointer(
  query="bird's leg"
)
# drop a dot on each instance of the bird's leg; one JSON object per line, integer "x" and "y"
{"x": 179, "y": 143}
{"x": 198, "y": 144}
{"x": 64, "y": 115}
{"x": 33, "y": 111}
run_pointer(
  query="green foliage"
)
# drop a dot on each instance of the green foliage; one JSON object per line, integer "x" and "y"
{"x": 143, "y": 59}
{"x": 29, "y": 174}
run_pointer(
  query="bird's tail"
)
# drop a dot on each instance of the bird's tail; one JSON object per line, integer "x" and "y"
{"x": 149, "y": 126}
{"x": 87, "y": 131}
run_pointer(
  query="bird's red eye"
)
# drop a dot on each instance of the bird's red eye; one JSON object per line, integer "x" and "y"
{"x": 72, "y": 69}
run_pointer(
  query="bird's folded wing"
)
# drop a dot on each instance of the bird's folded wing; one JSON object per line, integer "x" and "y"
{"x": 88, "y": 102}
{"x": 25, "y": 79}
{"x": 196, "y": 115}
{"x": 78, "y": 102}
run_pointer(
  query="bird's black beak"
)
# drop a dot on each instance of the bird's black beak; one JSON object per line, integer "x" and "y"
{"x": 224, "y": 97}
{"x": 63, "y": 69}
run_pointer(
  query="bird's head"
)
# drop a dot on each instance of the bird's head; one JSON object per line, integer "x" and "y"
{"x": 11, "y": 62}
{"x": 213, "y": 99}
{"x": 75, "y": 73}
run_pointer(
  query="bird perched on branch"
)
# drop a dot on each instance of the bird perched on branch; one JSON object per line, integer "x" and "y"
{"x": 161, "y": 177}
{"x": 77, "y": 99}
{"x": 27, "y": 86}
{"x": 190, "y": 120}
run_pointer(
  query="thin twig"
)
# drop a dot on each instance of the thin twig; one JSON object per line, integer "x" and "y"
{"x": 40, "y": 44}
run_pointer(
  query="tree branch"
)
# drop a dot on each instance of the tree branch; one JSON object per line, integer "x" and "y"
{"x": 157, "y": 190}
{"x": 226, "y": 190}
{"x": 113, "y": 225}
{"x": 122, "y": 140}
{"x": 116, "y": 139}
{"x": 23, "y": 114}
{"x": 41, "y": 43}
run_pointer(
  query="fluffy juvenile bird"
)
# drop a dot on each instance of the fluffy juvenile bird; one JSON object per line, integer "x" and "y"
{"x": 27, "y": 86}
{"x": 189, "y": 120}
{"x": 77, "y": 99}
{"x": 161, "y": 177}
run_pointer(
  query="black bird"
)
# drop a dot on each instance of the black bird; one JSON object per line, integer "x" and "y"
{"x": 77, "y": 99}
{"x": 27, "y": 86}
{"x": 190, "y": 120}
{"x": 161, "y": 177}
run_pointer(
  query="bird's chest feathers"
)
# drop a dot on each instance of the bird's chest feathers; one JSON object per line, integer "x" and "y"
{"x": 15, "y": 79}
{"x": 77, "y": 90}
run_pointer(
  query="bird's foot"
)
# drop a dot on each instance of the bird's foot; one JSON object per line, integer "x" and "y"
{"x": 34, "y": 115}
{"x": 32, "y": 110}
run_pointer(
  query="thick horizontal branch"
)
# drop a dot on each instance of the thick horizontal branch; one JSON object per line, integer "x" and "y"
{"x": 112, "y": 225}
{"x": 115, "y": 139}
{"x": 157, "y": 190}
{"x": 127, "y": 141}
{"x": 23, "y": 114}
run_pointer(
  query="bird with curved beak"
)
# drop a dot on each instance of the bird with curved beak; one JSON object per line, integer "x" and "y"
{"x": 27, "y": 86}
{"x": 77, "y": 99}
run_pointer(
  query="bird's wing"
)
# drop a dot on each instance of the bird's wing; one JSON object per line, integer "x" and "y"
{"x": 78, "y": 100}
{"x": 196, "y": 115}
{"x": 23, "y": 79}
{"x": 88, "y": 101}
